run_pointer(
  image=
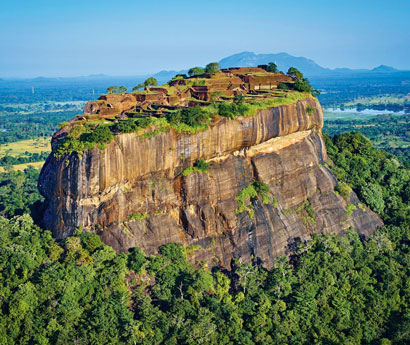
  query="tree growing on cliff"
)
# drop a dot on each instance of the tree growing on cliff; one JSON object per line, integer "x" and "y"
{"x": 151, "y": 81}
{"x": 101, "y": 135}
{"x": 301, "y": 84}
{"x": 122, "y": 89}
{"x": 196, "y": 71}
{"x": 179, "y": 76}
{"x": 270, "y": 67}
{"x": 212, "y": 68}
{"x": 295, "y": 73}
{"x": 112, "y": 89}
{"x": 139, "y": 86}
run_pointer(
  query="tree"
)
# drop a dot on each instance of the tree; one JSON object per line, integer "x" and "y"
{"x": 373, "y": 196}
{"x": 196, "y": 71}
{"x": 76, "y": 132}
{"x": 270, "y": 67}
{"x": 151, "y": 81}
{"x": 295, "y": 73}
{"x": 112, "y": 89}
{"x": 139, "y": 86}
{"x": 179, "y": 77}
{"x": 101, "y": 134}
{"x": 122, "y": 89}
{"x": 193, "y": 116}
{"x": 212, "y": 68}
{"x": 282, "y": 86}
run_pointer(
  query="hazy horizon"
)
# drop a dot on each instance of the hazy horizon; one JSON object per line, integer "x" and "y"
{"x": 49, "y": 39}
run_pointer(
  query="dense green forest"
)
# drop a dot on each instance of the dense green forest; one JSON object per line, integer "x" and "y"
{"x": 19, "y": 193}
{"x": 388, "y": 132}
{"x": 334, "y": 290}
{"x": 21, "y": 126}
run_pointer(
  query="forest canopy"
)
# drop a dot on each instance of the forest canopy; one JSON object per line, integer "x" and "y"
{"x": 334, "y": 290}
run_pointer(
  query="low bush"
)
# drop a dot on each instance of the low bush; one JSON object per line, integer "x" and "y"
{"x": 244, "y": 199}
{"x": 144, "y": 122}
{"x": 192, "y": 117}
{"x": 101, "y": 135}
{"x": 349, "y": 210}
{"x": 283, "y": 86}
{"x": 344, "y": 190}
{"x": 81, "y": 138}
{"x": 136, "y": 259}
{"x": 310, "y": 110}
{"x": 199, "y": 166}
{"x": 232, "y": 110}
{"x": 138, "y": 216}
{"x": 126, "y": 126}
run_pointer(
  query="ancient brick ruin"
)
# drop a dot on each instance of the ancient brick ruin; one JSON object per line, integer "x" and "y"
{"x": 187, "y": 92}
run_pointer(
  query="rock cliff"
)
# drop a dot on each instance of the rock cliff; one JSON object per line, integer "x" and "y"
{"x": 133, "y": 192}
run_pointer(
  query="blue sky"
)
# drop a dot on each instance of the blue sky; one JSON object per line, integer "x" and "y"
{"x": 72, "y": 37}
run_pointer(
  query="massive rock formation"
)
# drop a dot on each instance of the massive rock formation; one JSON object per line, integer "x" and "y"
{"x": 133, "y": 192}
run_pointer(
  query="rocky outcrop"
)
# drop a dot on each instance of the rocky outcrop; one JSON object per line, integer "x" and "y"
{"x": 133, "y": 192}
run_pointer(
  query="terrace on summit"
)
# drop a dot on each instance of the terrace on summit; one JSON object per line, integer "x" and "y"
{"x": 250, "y": 82}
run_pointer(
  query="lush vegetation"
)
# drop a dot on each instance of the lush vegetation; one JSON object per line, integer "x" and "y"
{"x": 151, "y": 81}
{"x": 138, "y": 216}
{"x": 61, "y": 294}
{"x": 270, "y": 67}
{"x": 334, "y": 290}
{"x": 19, "y": 193}
{"x": 301, "y": 84}
{"x": 234, "y": 109}
{"x": 81, "y": 138}
{"x": 192, "y": 117}
{"x": 196, "y": 71}
{"x": 249, "y": 194}
{"x": 16, "y": 127}
{"x": 376, "y": 176}
{"x": 212, "y": 68}
{"x": 116, "y": 89}
{"x": 200, "y": 166}
{"x": 389, "y": 132}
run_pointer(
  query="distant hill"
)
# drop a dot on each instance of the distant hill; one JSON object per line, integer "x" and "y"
{"x": 250, "y": 59}
{"x": 384, "y": 68}
{"x": 164, "y": 76}
{"x": 283, "y": 60}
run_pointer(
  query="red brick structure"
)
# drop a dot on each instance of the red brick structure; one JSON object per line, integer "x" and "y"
{"x": 179, "y": 93}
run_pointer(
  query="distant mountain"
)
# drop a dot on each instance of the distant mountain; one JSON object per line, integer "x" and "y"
{"x": 168, "y": 75}
{"x": 283, "y": 60}
{"x": 384, "y": 68}
{"x": 250, "y": 59}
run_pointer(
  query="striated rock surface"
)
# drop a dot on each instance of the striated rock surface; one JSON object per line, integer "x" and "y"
{"x": 104, "y": 189}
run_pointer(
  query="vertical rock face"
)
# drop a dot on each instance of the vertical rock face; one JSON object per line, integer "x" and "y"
{"x": 133, "y": 192}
